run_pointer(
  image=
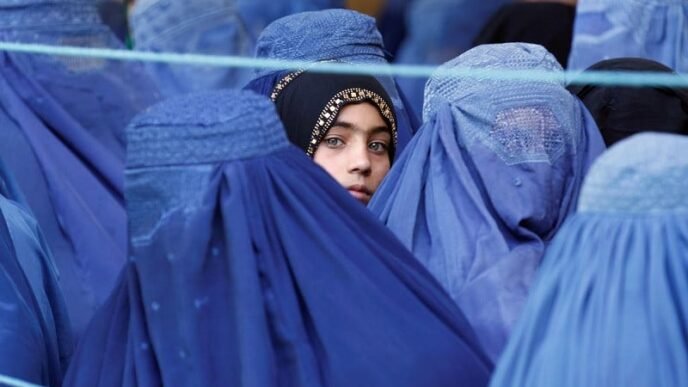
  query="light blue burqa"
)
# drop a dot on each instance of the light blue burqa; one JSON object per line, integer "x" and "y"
{"x": 651, "y": 29}
{"x": 610, "y": 305}
{"x": 487, "y": 181}
{"x": 211, "y": 27}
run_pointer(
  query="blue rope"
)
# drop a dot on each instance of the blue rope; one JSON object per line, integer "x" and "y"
{"x": 607, "y": 78}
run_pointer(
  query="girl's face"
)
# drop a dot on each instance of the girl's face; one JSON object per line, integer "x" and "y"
{"x": 355, "y": 151}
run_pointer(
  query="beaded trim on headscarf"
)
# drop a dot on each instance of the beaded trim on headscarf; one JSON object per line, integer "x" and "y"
{"x": 283, "y": 83}
{"x": 334, "y": 105}
{"x": 331, "y": 109}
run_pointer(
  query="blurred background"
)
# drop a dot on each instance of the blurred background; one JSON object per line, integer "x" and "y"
{"x": 427, "y": 32}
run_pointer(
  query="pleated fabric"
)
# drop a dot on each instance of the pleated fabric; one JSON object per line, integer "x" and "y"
{"x": 488, "y": 180}
{"x": 250, "y": 266}
{"x": 62, "y": 138}
{"x": 35, "y": 334}
{"x": 650, "y": 29}
{"x": 610, "y": 305}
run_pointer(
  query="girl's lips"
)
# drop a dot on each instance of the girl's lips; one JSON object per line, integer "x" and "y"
{"x": 360, "y": 192}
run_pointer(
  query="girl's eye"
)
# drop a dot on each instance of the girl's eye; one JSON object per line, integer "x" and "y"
{"x": 378, "y": 147}
{"x": 333, "y": 142}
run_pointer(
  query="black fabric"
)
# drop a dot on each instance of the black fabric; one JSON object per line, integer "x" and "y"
{"x": 547, "y": 24}
{"x": 114, "y": 15}
{"x": 300, "y": 103}
{"x": 621, "y": 112}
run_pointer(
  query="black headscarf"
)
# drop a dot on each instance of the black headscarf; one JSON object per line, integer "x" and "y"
{"x": 547, "y": 24}
{"x": 308, "y": 104}
{"x": 623, "y": 111}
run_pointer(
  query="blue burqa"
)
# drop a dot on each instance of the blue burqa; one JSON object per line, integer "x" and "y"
{"x": 250, "y": 266}
{"x": 488, "y": 180}
{"x": 210, "y": 27}
{"x": 651, "y": 29}
{"x": 610, "y": 305}
{"x": 335, "y": 35}
{"x": 62, "y": 137}
{"x": 35, "y": 334}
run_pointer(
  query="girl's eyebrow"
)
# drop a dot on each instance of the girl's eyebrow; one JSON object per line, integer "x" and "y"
{"x": 350, "y": 126}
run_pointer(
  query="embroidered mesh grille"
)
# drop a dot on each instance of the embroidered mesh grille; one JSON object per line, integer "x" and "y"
{"x": 517, "y": 56}
{"x": 648, "y": 173}
{"x": 527, "y": 134}
{"x": 520, "y": 121}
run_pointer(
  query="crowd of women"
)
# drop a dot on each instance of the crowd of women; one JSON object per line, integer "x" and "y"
{"x": 180, "y": 225}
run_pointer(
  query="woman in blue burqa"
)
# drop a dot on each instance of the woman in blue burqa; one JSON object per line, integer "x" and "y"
{"x": 250, "y": 266}
{"x": 210, "y": 27}
{"x": 651, "y": 29}
{"x": 609, "y": 307}
{"x": 488, "y": 180}
{"x": 62, "y": 137}
{"x": 333, "y": 35}
{"x": 35, "y": 334}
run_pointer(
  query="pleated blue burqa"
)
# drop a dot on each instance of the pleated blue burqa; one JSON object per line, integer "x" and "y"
{"x": 62, "y": 123}
{"x": 651, "y": 29}
{"x": 250, "y": 266}
{"x": 35, "y": 334}
{"x": 610, "y": 305}
{"x": 487, "y": 181}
